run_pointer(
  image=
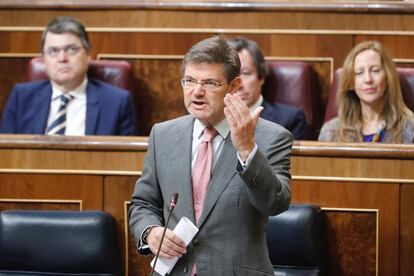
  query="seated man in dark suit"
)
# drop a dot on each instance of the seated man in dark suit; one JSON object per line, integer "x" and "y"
{"x": 69, "y": 103}
{"x": 253, "y": 73}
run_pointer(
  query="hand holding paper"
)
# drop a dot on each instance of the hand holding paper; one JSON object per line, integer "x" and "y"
{"x": 186, "y": 230}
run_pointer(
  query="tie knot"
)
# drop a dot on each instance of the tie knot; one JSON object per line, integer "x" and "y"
{"x": 209, "y": 134}
{"x": 65, "y": 98}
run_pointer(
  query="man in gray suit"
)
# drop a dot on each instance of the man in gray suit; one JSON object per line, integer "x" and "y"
{"x": 250, "y": 177}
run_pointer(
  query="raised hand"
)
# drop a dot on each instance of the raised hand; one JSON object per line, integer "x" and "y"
{"x": 242, "y": 124}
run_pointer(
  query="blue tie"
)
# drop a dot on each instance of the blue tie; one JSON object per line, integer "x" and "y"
{"x": 58, "y": 126}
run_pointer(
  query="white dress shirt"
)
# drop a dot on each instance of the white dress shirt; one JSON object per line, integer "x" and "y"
{"x": 76, "y": 109}
{"x": 256, "y": 104}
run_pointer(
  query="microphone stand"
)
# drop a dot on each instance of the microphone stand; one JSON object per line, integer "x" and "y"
{"x": 173, "y": 202}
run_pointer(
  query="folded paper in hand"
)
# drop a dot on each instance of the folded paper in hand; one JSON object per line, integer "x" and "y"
{"x": 186, "y": 230}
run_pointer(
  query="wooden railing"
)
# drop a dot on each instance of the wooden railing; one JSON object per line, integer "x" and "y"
{"x": 390, "y": 6}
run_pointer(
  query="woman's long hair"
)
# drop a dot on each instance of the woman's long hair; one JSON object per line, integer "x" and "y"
{"x": 395, "y": 113}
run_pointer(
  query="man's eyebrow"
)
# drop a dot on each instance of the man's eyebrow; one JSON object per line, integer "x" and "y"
{"x": 66, "y": 45}
{"x": 209, "y": 79}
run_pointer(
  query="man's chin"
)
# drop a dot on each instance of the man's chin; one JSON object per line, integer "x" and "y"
{"x": 65, "y": 83}
{"x": 63, "y": 79}
{"x": 198, "y": 113}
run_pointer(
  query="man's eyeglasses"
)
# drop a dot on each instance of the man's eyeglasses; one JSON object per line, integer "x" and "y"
{"x": 207, "y": 85}
{"x": 70, "y": 50}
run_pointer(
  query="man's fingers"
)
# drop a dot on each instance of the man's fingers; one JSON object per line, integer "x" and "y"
{"x": 172, "y": 245}
{"x": 256, "y": 113}
{"x": 170, "y": 249}
{"x": 229, "y": 117}
{"x": 238, "y": 109}
{"x": 175, "y": 241}
{"x": 232, "y": 107}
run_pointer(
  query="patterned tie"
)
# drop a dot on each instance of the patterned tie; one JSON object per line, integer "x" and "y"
{"x": 202, "y": 170}
{"x": 58, "y": 126}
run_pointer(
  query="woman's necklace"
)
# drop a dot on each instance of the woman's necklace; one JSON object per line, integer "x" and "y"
{"x": 377, "y": 135}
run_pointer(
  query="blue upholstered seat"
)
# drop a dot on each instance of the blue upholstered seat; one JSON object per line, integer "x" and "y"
{"x": 58, "y": 243}
{"x": 296, "y": 241}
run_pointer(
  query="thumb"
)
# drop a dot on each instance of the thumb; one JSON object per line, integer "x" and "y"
{"x": 256, "y": 113}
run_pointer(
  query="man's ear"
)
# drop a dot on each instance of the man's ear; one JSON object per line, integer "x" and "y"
{"x": 235, "y": 85}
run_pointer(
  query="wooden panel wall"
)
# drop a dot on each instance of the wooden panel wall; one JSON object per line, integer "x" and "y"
{"x": 153, "y": 38}
{"x": 157, "y": 91}
{"x": 351, "y": 238}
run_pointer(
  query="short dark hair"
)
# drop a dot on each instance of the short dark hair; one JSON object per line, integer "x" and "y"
{"x": 67, "y": 24}
{"x": 240, "y": 43}
{"x": 214, "y": 50}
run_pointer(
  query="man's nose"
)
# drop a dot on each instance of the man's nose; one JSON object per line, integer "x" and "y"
{"x": 62, "y": 55}
{"x": 198, "y": 89}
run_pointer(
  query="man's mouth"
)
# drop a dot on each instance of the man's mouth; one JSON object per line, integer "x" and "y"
{"x": 241, "y": 94}
{"x": 199, "y": 104}
{"x": 64, "y": 69}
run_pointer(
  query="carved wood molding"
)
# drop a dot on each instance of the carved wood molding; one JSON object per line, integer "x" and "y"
{"x": 394, "y": 7}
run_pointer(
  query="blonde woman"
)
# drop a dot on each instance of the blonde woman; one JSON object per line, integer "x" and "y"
{"x": 370, "y": 103}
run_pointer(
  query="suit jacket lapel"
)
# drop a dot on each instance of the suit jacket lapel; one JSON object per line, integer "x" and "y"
{"x": 221, "y": 177}
{"x": 181, "y": 171}
{"x": 42, "y": 106}
{"x": 92, "y": 108}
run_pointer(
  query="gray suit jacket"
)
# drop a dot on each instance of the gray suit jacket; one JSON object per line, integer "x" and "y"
{"x": 232, "y": 228}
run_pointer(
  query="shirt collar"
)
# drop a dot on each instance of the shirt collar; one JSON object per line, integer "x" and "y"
{"x": 222, "y": 128}
{"x": 256, "y": 104}
{"x": 77, "y": 92}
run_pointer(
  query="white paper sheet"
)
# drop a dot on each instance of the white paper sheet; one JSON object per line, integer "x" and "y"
{"x": 186, "y": 230}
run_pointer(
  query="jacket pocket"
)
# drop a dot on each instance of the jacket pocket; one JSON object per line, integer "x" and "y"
{"x": 247, "y": 271}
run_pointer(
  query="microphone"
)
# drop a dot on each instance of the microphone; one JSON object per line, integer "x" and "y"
{"x": 173, "y": 202}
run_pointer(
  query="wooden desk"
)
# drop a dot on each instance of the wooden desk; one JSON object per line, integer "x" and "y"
{"x": 366, "y": 191}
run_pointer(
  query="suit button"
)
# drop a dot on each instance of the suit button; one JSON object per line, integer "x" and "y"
{"x": 185, "y": 270}
{"x": 195, "y": 241}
